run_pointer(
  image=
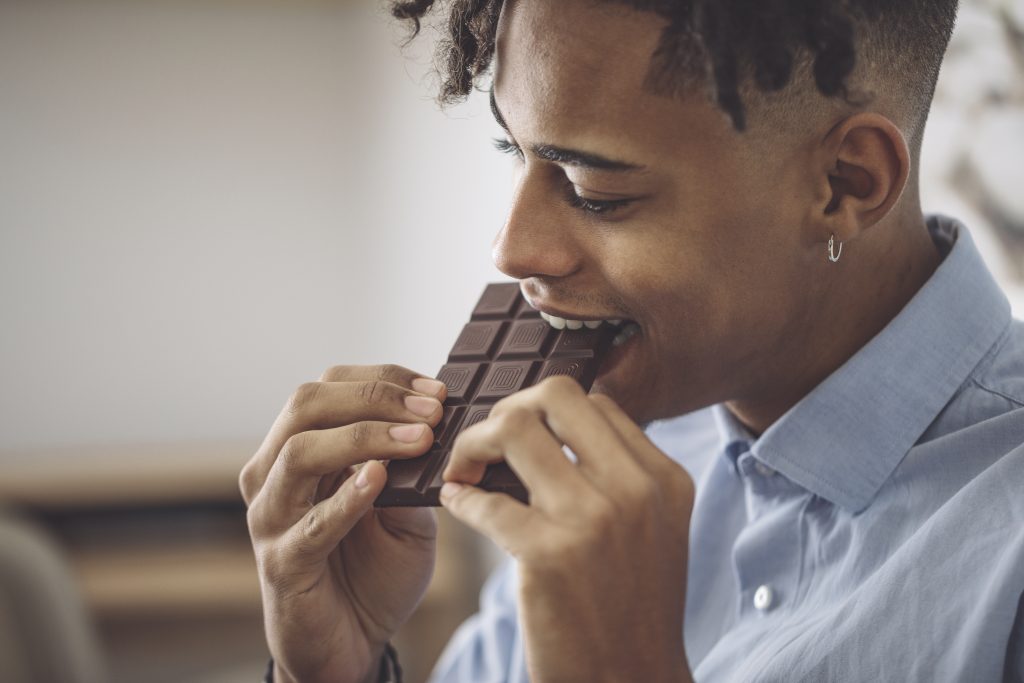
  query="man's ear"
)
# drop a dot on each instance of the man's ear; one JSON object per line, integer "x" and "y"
{"x": 864, "y": 166}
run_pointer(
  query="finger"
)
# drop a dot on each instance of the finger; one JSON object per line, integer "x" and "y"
{"x": 307, "y": 457}
{"x": 322, "y": 405}
{"x": 662, "y": 468}
{"x": 520, "y": 438}
{"x": 394, "y": 374}
{"x": 324, "y": 526}
{"x": 501, "y": 518}
{"x": 330, "y": 483}
{"x": 645, "y": 452}
{"x": 601, "y": 454}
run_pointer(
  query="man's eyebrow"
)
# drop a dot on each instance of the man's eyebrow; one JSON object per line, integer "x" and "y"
{"x": 561, "y": 155}
{"x": 497, "y": 113}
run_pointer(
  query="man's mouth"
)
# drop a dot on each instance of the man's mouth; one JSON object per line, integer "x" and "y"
{"x": 560, "y": 323}
{"x": 627, "y": 328}
{"x": 621, "y": 358}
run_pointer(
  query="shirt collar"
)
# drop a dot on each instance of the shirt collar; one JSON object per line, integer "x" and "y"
{"x": 845, "y": 438}
{"x": 735, "y": 438}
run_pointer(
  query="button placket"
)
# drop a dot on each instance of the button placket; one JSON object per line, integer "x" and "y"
{"x": 766, "y": 554}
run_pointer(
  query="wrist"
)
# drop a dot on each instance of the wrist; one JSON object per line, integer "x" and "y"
{"x": 377, "y": 656}
{"x": 383, "y": 668}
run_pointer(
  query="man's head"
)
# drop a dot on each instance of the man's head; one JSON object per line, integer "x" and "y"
{"x": 683, "y": 164}
{"x": 738, "y": 50}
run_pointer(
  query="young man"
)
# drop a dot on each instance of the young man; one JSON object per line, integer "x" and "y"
{"x": 829, "y": 483}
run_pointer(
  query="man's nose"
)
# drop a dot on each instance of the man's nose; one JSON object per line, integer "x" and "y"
{"x": 535, "y": 240}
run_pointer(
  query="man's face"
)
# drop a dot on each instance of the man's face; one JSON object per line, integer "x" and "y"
{"x": 702, "y": 244}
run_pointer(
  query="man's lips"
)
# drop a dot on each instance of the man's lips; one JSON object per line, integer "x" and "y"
{"x": 561, "y": 313}
{"x": 538, "y": 303}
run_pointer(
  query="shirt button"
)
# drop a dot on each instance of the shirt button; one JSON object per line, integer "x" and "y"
{"x": 763, "y": 469}
{"x": 763, "y": 598}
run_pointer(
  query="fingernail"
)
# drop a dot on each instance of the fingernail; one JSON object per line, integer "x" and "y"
{"x": 361, "y": 478}
{"x": 428, "y": 386}
{"x": 450, "y": 489}
{"x": 406, "y": 433}
{"x": 421, "y": 405}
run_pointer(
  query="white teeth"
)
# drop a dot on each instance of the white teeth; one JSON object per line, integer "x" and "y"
{"x": 556, "y": 322}
{"x": 563, "y": 323}
{"x": 623, "y": 336}
{"x": 553, "y": 320}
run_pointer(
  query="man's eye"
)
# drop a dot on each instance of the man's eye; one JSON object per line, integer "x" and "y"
{"x": 602, "y": 206}
{"x": 507, "y": 147}
{"x": 591, "y": 206}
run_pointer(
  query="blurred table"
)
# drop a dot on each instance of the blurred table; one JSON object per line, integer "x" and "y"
{"x": 156, "y": 536}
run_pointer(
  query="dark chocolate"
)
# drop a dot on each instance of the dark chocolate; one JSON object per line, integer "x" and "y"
{"x": 504, "y": 348}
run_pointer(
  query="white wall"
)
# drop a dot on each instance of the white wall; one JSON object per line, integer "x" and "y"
{"x": 205, "y": 203}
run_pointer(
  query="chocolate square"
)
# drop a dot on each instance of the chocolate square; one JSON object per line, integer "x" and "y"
{"x": 504, "y": 348}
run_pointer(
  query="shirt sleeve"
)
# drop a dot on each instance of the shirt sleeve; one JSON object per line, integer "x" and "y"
{"x": 486, "y": 648}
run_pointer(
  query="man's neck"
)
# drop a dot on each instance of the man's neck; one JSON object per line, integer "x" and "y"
{"x": 893, "y": 266}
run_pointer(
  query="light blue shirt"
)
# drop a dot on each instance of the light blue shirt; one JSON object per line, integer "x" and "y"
{"x": 875, "y": 532}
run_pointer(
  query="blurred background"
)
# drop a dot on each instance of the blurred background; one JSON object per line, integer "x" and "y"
{"x": 205, "y": 204}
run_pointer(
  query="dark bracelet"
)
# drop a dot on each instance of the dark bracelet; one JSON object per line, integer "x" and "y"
{"x": 390, "y": 670}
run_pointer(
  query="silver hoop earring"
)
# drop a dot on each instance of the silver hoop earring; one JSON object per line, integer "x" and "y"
{"x": 833, "y": 256}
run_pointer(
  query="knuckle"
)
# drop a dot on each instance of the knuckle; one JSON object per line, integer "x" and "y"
{"x": 390, "y": 372}
{"x": 360, "y": 435}
{"x": 314, "y": 526}
{"x": 254, "y": 518}
{"x": 305, "y": 396}
{"x": 293, "y": 452}
{"x": 512, "y": 420}
{"x": 527, "y": 399}
{"x": 632, "y": 496}
{"x": 247, "y": 483}
{"x": 334, "y": 373}
{"x": 601, "y": 519}
{"x": 504, "y": 405}
{"x": 639, "y": 492}
{"x": 560, "y": 385}
{"x": 373, "y": 392}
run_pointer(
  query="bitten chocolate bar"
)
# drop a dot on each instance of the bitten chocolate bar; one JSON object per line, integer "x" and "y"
{"x": 504, "y": 347}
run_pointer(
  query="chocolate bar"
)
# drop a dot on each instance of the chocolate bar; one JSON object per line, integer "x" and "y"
{"x": 506, "y": 346}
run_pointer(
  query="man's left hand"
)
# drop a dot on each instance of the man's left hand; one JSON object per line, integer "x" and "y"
{"x": 602, "y": 546}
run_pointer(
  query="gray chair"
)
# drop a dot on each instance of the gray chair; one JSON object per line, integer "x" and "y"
{"x": 45, "y": 634}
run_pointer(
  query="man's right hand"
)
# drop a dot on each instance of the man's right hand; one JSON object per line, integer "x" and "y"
{"x": 339, "y": 576}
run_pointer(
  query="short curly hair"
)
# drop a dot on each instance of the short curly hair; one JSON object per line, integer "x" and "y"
{"x": 739, "y": 47}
